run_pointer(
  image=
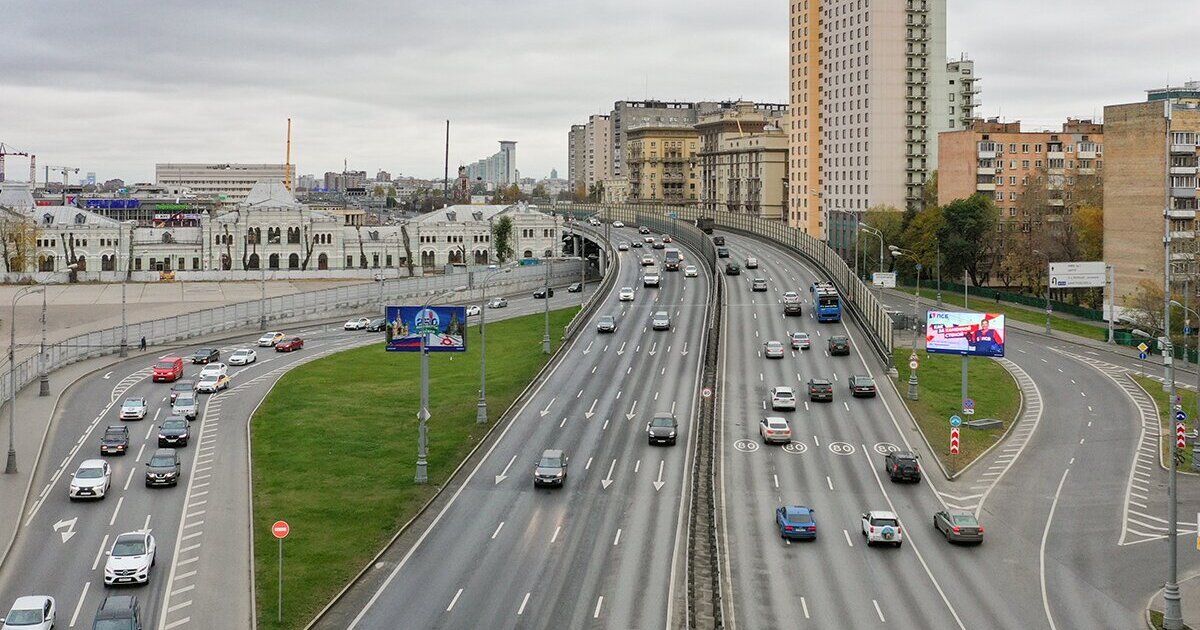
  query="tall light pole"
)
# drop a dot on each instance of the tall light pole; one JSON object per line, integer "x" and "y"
{"x": 422, "y": 475}
{"x": 913, "y": 393}
{"x": 262, "y": 297}
{"x": 481, "y": 410}
{"x": 1047, "y": 257}
{"x": 124, "y": 351}
{"x": 1172, "y": 607}
{"x": 878, "y": 234}
{"x": 11, "y": 466}
{"x": 939, "y": 274}
{"x": 546, "y": 288}
{"x": 43, "y": 360}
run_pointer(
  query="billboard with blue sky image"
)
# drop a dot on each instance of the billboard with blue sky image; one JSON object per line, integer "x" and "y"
{"x": 444, "y": 328}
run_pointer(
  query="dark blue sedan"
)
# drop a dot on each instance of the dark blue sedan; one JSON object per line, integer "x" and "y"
{"x": 796, "y": 521}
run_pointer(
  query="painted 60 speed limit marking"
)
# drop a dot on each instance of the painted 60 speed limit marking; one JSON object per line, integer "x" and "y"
{"x": 841, "y": 448}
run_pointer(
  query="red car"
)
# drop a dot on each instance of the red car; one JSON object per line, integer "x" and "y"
{"x": 287, "y": 345}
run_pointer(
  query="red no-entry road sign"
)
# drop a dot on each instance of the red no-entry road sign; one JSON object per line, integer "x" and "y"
{"x": 280, "y": 529}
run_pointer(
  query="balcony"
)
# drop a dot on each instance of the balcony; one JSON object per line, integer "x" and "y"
{"x": 1183, "y": 149}
{"x": 1056, "y": 155}
{"x": 1182, "y": 256}
{"x": 1185, "y": 192}
{"x": 1055, "y": 202}
{"x": 988, "y": 151}
{"x": 1183, "y": 235}
{"x": 1085, "y": 151}
{"x": 985, "y": 187}
{"x": 1183, "y": 170}
{"x": 1181, "y": 214}
{"x": 986, "y": 170}
{"x": 1085, "y": 171}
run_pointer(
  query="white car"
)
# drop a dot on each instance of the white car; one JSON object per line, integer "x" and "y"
{"x": 357, "y": 324}
{"x": 774, "y": 429}
{"x": 473, "y": 310}
{"x": 497, "y": 302}
{"x": 212, "y": 383}
{"x": 133, "y": 408}
{"x": 783, "y": 398}
{"x": 690, "y": 271}
{"x": 270, "y": 339}
{"x": 130, "y": 559}
{"x": 751, "y": 262}
{"x": 91, "y": 480}
{"x": 881, "y": 526}
{"x": 593, "y": 221}
{"x": 214, "y": 369}
{"x": 773, "y": 350}
{"x": 622, "y": 247}
{"x": 625, "y": 294}
{"x": 185, "y": 405}
{"x": 660, "y": 321}
{"x": 648, "y": 259}
{"x": 243, "y": 356}
{"x": 31, "y": 612}
{"x": 618, "y": 224}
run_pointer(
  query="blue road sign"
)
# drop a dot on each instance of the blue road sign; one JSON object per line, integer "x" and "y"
{"x": 1142, "y": 356}
{"x": 673, "y": 215}
{"x": 1187, "y": 330}
{"x": 955, "y": 421}
{"x": 968, "y": 403}
{"x": 1180, "y": 416}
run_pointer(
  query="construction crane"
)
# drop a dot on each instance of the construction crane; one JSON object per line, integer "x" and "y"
{"x": 64, "y": 170}
{"x": 7, "y": 150}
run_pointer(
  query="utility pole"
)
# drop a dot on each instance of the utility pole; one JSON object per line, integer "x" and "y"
{"x": 1172, "y": 607}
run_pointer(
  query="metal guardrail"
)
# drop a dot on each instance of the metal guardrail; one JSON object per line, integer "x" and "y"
{"x": 611, "y": 271}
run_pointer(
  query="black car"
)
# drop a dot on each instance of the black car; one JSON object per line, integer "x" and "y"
{"x": 643, "y": 230}
{"x": 862, "y": 385}
{"x": 540, "y": 294}
{"x": 733, "y": 269}
{"x": 551, "y": 469}
{"x": 120, "y": 612}
{"x": 637, "y": 244}
{"x": 718, "y": 240}
{"x": 722, "y": 252}
{"x": 115, "y": 440}
{"x": 606, "y": 324}
{"x": 658, "y": 245}
{"x": 206, "y": 355}
{"x": 820, "y": 389}
{"x": 662, "y": 429}
{"x": 379, "y": 324}
{"x": 575, "y": 288}
{"x": 903, "y": 466}
{"x": 182, "y": 387}
{"x": 174, "y": 432}
{"x": 839, "y": 345}
{"x": 163, "y": 468}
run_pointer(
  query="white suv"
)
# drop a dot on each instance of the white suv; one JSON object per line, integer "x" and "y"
{"x": 626, "y": 294}
{"x": 783, "y": 398}
{"x": 881, "y": 526}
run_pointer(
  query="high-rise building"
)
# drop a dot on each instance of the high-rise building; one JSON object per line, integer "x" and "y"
{"x": 576, "y": 155}
{"x": 597, "y": 139}
{"x": 742, "y": 162}
{"x": 498, "y": 169}
{"x": 868, "y": 98}
{"x": 230, "y": 181}
{"x": 963, "y": 92}
{"x": 1151, "y": 170}
{"x": 662, "y": 164}
{"x": 553, "y": 173}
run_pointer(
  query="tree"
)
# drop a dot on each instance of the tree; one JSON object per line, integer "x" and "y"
{"x": 890, "y": 221}
{"x": 1088, "y": 223}
{"x": 581, "y": 192}
{"x": 929, "y": 191}
{"x": 502, "y": 232}
{"x": 1144, "y": 307}
{"x": 922, "y": 235}
{"x": 18, "y": 240}
{"x": 377, "y": 191}
{"x": 596, "y": 193}
{"x": 965, "y": 232}
{"x": 539, "y": 192}
{"x": 309, "y": 241}
{"x": 408, "y": 257}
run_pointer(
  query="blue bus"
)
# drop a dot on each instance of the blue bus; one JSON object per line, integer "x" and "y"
{"x": 826, "y": 302}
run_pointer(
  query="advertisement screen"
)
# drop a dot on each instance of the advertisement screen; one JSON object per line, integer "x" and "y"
{"x": 444, "y": 328}
{"x": 974, "y": 334}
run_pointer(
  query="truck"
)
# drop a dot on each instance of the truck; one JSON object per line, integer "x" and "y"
{"x": 672, "y": 259}
{"x": 826, "y": 301}
{"x": 650, "y": 277}
{"x": 705, "y": 224}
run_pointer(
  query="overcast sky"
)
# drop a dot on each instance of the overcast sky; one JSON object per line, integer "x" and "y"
{"x": 115, "y": 87}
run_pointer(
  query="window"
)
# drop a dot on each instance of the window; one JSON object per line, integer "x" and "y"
{"x": 1024, "y": 148}
{"x": 1025, "y": 164}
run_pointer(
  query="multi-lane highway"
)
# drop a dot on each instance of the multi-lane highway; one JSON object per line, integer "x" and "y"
{"x": 600, "y": 551}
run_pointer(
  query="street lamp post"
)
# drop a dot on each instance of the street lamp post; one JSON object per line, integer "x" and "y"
{"x": 10, "y": 466}
{"x": 124, "y": 350}
{"x": 481, "y": 410}
{"x": 939, "y": 274}
{"x": 1047, "y": 256}
{"x": 43, "y": 360}
{"x": 913, "y": 392}
{"x": 546, "y": 295}
{"x": 262, "y": 297}
{"x": 1172, "y": 606}
{"x": 422, "y": 475}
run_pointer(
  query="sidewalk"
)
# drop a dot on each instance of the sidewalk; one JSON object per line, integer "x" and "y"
{"x": 1189, "y": 596}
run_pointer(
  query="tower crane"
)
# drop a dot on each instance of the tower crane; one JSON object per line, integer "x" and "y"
{"x": 7, "y": 150}
{"x": 65, "y": 170}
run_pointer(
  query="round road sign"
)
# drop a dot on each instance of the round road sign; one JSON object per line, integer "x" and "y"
{"x": 955, "y": 421}
{"x": 706, "y": 392}
{"x": 1181, "y": 415}
{"x": 913, "y": 364}
{"x": 1142, "y": 356}
{"x": 280, "y": 529}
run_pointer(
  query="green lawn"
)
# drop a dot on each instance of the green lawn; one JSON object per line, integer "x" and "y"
{"x": 939, "y": 381}
{"x": 1091, "y": 330}
{"x": 1156, "y": 617}
{"x": 335, "y": 444}
{"x": 1155, "y": 389}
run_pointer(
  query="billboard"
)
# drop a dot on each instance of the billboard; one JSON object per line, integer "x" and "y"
{"x": 1077, "y": 275}
{"x": 974, "y": 334}
{"x": 884, "y": 279}
{"x": 444, "y": 328}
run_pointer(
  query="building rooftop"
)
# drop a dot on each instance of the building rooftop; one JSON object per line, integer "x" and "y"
{"x": 463, "y": 214}
{"x": 70, "y": 215}
{"x": 16, "y": 195}
{"x": 270, "y": 194}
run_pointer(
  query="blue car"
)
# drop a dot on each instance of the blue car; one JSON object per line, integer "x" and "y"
{"x": 796, "y": 521}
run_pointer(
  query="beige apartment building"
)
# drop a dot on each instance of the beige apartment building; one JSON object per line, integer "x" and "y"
{"x": 743, "y": 162}
{"x": 662, "y": 164}
{"x": 576, "y": 155}
{"x": 963, "y": 92}
{"x": 227, "y": 182}
{"x": 1151, "y": 171}
{"x": 598, "y": 162}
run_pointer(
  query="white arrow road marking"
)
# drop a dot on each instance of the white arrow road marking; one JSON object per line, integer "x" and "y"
{"x": 632, "y": 411}
{"x": 684, "y": 353}
{"x": 589, "y": 348}
{"x": 654, "y": 348}
{"x": 659, "y": 484}
{"x": 547, "y": 409}
{"x": 107, "y": 375}
{"x": 621, "y": 350}
{"x": 70, "y": 527}
{"x": 607, "y": 481}
{"x": 592, "y": 410}
{"x": 504, "y": 474}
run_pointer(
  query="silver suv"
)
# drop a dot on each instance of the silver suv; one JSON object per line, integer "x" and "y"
{"x": 551, "y": 469}
{"x": 185, "y": 405}
{"x": 661, "y": 321}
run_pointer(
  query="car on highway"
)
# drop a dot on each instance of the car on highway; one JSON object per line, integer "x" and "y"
{"x": 118, "y": 612}
{"x": 881, "y": 526}
{"x": 783, "y": 397}
{"x": 575, "y": 287}
{"x": 379, "y": 324}
{"x": 839, "y": 345}
{"x": 551, "y": 469}
{"x": 775, "y": 429}
{"x": 182, "y": 387}
{"x": 648, "y": 259}
{"x": 212, "y": 383}
{"x": 163, "y": 468}
{"x": 618, "y": 224}
{"x": 471, "y": 310}
{"x": 357, "y": 324}
{"x": 185, "y": 405}
{"x": 167, "y": 369}
{"x": 718, "y": 240}
{"x": 796, "y": 522}
{"x": 643, "y": 230}
{"x": 792, "y": 304}
{"x": 758, "y": 284}
{"x": 130, "y": 559}
{"x": 206, "y": 355}
{"x": 958, "y": 526}
{"x": 289, "y": 345}
{"x": 662, "y": 429}
{"x": 722, "y": 252}
{"x": 133, "y": 408}
{"x": 606, "y": 324}
{"x": 243, "y": 356}
{"x": 820, "y": 389}
{"x": 213, "y": 369}
{"x": 658, "y": 245}
{"x": 497, "y": 302}
{"x": 174, "y": 432}
{"x": 542, "y": 293}
{"x": 91, "y": 480}
{"x": 622, "y": 247}
{"x": 733, "y": 269}
{"x": 690, "y": 271}
{"x": 800, "y": 340}
{"x": 902, "y": 466}
{"x": 751, "y": 262}
{"x": 31, "y": 612}
{"x": 651, "y": 277}
{"x": 270, "y": 339}
{"x": 773, "y": 350}
{"x": 636, "y": 244}
{"x": 661, "y": 320}
{"x": 666, "y": 238}
{"x": 593, "y": 221}
{"x": 115, "y": 440}
{"x": 625, "y": 294}
{"x": 862, "y": 385}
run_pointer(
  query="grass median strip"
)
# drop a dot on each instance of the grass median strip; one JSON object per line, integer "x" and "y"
{"x": 335, "y": 445}
{"x": 940, "y": 378}
{"x": 1089, "y": 330}
{"x": 1166, "y": 419}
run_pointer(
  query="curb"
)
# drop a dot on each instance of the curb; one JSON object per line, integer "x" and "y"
{"x": 1164, "y": 433}
{"x": 1004, "y": 436}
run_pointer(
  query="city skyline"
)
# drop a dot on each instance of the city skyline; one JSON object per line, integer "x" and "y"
{"x": 359, "y": 94}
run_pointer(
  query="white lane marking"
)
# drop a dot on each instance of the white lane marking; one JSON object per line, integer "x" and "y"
{"x": 555, "y": 536}
{"x": 829, "y": 481}
{"x": 112, "y": 520}
{"x": 1042, "y": 551}
{"x": 617, "y": 540}
{"x": 804, "y": 606}
{"x": 79, "y": 604}
{"x": 100, "y": 552}
{"x": 183, "y": 590}
{"x": 776, "y": 477}
{"x": 846, "y": 405}
{"x": 498, "y": 528}
{"x": 523, "y": 602}
{"x": 599, "y": 603}
{"x": 141, "y": 450}
{"x": 146, "y": 527}
{"x": 456, "y": 595}
{"x": 129, "y": 478}
{"x": 848, "y": 541}
{"x": 589, "y": 464}
{"x": 637, "y": 465}
{"x": 878, "y": 611}
{"x": 815, "y": 440}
